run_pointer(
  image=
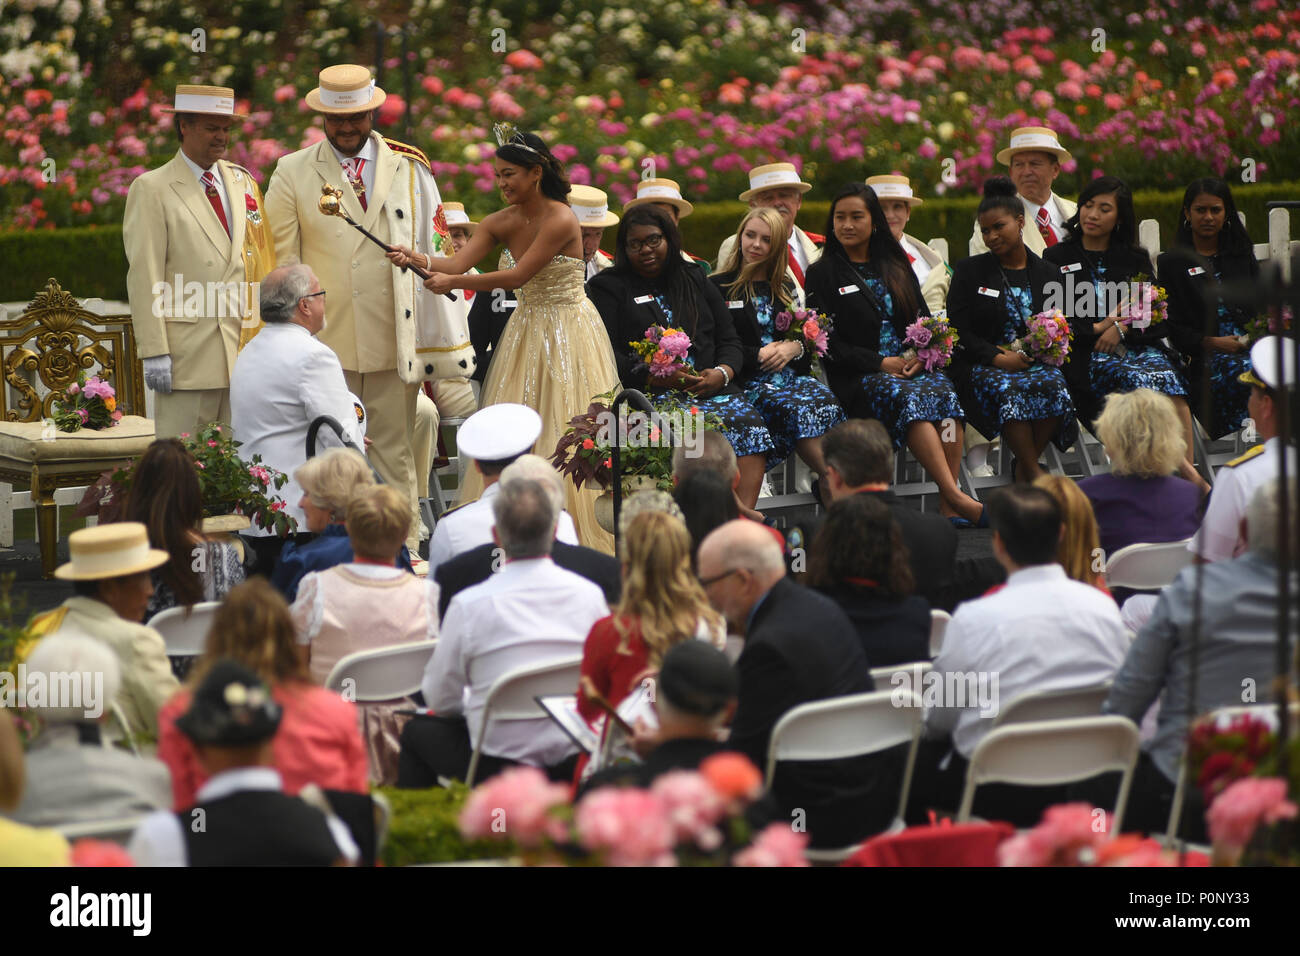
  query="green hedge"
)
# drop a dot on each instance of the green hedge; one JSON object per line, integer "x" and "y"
{"x": 90, "y": 261}
{"x": 424, "y": 828}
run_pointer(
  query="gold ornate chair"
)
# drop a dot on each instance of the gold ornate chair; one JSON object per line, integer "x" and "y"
{"x": 41, "y": 352}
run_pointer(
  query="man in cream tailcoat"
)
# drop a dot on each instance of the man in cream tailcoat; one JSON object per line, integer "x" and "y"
{"x": 1034, "y": 158}
{"x": 197, "y": 244}
{"x": 779, "y": 187}
{"x": 388, "y": 333}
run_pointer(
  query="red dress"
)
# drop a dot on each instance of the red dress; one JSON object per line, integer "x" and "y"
{"x": 615, "y": 674}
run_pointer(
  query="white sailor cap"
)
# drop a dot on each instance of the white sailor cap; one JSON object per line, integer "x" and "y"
{"x": 1263, "y": 364}
{"x": 499, "y": 432}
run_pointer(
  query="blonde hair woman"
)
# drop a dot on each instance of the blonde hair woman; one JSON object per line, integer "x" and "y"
{"x": 1142, "y": 499}
{"x": 329, "y": 481}
{"x": 662, "y": 604}
{"x": 365, "y": 604}
{"x": 774, "y": 377}
{"x": 1080, "y": 548}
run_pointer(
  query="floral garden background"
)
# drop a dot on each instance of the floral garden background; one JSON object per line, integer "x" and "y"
{"x": 929, "y": 89}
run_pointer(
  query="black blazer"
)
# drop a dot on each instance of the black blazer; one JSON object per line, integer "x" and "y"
{"x": 800, "y": 647}
{"x": 1193, "y": 298}
{"x": 892, "y": 630}
{"x": 486, "y": 325}
{"x": 614, "y": 293}
{"x": 475, "y": 567}
{"x": 855, "y": 335}
{"x": 745, "y": 318}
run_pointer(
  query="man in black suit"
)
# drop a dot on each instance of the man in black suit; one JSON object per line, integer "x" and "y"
{"x": 477, "y": 564}
{"x": 799, "y": 647}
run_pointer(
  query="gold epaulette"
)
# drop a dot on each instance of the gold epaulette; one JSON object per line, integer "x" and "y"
{"x": 452, "y": 511}
{"x": 411, "y": 151}
{"x": 1240, "y": 459}
{"x": 42, "y": 626}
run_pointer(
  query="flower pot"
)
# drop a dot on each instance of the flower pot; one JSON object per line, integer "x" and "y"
{"x": 605, "y": 502}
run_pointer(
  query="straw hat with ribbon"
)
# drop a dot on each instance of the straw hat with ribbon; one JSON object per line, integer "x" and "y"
{"x": 346, "y": 88}
{"x": 661, "y": 190}
{"x": 1038, "y": 139}
{"x": 773, "y": 176}
{"x": 454, "y": 213}
{"x": 893, "y": 187}
{"x": 591, "y": 206}
{"x": 110, "y": 551}
{"x": 204, "y": 100}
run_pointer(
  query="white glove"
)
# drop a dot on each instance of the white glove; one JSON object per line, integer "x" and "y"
{"x": 158, "y": 373}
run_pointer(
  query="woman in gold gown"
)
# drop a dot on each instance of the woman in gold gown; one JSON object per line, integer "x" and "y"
{"x": 554, "y": 355}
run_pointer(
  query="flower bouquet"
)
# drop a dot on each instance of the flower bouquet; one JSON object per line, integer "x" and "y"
{"x": 1078, "y": 834}
{"x": 1225, "y": 749}
{"x": 1272, "y": 322}
{"x": 931, "y": 341}
{"x": 1149, "y": 307}
{"x": 1047, "y": 340}
{"x": 809, "y": 328}
{"x": 664, "y": 351}
{"x": 87, "y": 403}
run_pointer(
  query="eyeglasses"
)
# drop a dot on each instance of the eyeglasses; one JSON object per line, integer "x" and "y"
{"x": 705, "y": 582}
{"x": 650, "y": 242}
{"x": 312, "y": 295}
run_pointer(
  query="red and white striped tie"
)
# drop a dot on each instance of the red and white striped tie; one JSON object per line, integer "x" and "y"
{"x": 214, "y": 197}
{"x": 353, "y": 168}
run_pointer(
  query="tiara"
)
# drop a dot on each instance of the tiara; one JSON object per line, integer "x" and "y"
{"x": 507, "y": 135}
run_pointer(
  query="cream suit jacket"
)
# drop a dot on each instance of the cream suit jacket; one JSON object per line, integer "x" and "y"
{"x": 169, "y": 230}
{"x": 935, "y": 287}
{"x": 1033, "y": 238}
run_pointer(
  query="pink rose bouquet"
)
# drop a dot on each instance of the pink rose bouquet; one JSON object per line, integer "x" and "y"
{"x": 931, "y": 341}
{"x": 519, "y": 804}
{"x": 1047, "y": 340}
{"x": 1240, "y": 809}
{"x": 86, "y": 403}
{"x": 664, "y": 350}
{"x": 1150, "y": 305}
{"x": 810, "y": 328}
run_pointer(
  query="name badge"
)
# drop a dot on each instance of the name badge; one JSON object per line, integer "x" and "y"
{"x": 991, "y": 293}
{"x": 735, "y": 303}
{"x": 845, "y": 290}
{"x": 1196, "y": 271}
{"x": 643, "y": 299}
{"x": 509, "y": 303}
{"x": 1072, "y": 267}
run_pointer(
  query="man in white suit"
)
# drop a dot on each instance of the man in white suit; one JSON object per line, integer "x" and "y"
{"x": 283, "y": 380}
{"x": 197, "y": 243}
{"x": 778, "y": 186}
{"x": 1034, "y": 159}
{"x": 376, "y": 311}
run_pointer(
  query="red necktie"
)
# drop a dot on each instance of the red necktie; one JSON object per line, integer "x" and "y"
{"x": 796, "y": 268}
{"x": 353, "y": 168}
{"x": 910, "y": 258}
{"x": 1045, "y": 226}
{"x": 214, "y": 197}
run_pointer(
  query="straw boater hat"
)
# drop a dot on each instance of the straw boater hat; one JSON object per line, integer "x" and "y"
{"x": 110, "y": 551}
{"x": 207, "y": 100}
{"x": 773, "y": 176}
{"x": 1038, "y": 139}
{"x": 661, "y": 190}
{"x": 893, "y": 187}
{"x": 346, "y": 88}
{"x": 454, "y": 213}
{"x": 591, "y": 206}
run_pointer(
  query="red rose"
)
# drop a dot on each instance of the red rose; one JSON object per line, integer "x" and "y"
{"x": 250, "y": 203}
{"x": 588, "y": 444}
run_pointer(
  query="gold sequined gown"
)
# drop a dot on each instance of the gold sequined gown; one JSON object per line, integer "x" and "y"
{"x": 554, "y": 356}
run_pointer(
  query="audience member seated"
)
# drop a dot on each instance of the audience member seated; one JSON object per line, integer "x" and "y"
{"x": 71, "y": 776}
{"x": 21, "y": 845}
{"x": 530, "y": 612}
{"x": 1079, "y": 551}
{"x": 1141, "y": 499}
{"x": 1042, "y": 632}
{"x": 248, "y": 818}
{"x": 859, "y": 561}
{"x": 476, "y": 565}
{"x": 328, "y": 482}
{"x": 799, "y": 647}
{"x": 319, "y": 740}
{"x": 367, "y": 604}
{"x": 1231, "y": 647}
{"x": 695, "y": 698}
{"x": 111, "y": 583}
{"x": 706, "y": 502}
{"x": 661, "y": 606}
{"x": 165, "y": 498}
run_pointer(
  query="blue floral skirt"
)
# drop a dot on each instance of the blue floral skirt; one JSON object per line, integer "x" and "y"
{"x": 794, "y": 407}
{"x": 1039, "y": 392}
{"x": 898, "y": 402}
{"x": 1228, "y": 397}
{"x": 1140, "y": 368}
{"x": 742, "y": 423}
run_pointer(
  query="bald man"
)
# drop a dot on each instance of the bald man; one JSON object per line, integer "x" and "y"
{"x": 799, "y": 647}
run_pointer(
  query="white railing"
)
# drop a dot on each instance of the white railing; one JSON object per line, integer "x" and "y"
{"x": 1279, "y": 247}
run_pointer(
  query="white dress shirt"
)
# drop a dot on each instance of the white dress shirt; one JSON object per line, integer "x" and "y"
{"x": 529, "y": 612}
{"x": 1220, "y": 536}
{"x": 469, "y": 526}
{"x": 368, "y": 153}
{"x": 1042, "y": 631}
{"x": 215, "y": 170}
{"x": 159, "y": 840}
{"x": 1053, "y": 215}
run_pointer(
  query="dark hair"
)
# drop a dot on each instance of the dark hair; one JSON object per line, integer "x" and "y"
{"x": 677, "y": 286}
{"x": 861, "y": 539}
{"x": 1124, "y": 233}
{"x": 1000, "y": 193}
{"x": 165, "y": 498}
{"x": 883, "y": 249}
{"x": 176, "y": 125}
{"x": 1234, "y": 239}
{"x": 861, "y": 451}
{"x": 707, "y": 501}
{"x": 1028, "y": 520}
{"x": 496, "y": 466}
{"x": 527, "y": 149}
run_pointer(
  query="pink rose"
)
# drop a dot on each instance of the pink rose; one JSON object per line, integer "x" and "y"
{"x": 777, "y": 845}
{"x": 811, "y": 330}
{"x": 516, "y": 804}
{"x": 1243, "y": 806}
{"x": 693, "y": 807}
{"x": 918, "y": 334}
{"x": 782, "y": 321}
{"x": 629, "y": 826}
{"x": 74, "y": 389}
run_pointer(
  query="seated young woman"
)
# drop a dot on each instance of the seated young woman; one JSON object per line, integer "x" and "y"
{"x": 648, "y": 285}
{"x": 864, "y": 283}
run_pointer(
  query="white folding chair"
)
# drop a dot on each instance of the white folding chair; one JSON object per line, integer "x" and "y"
{"x": 1052, "y": 752}
{"x": 938, "y": 628}
{"x": 1147, "y": 567}
{"x": 117, "y": 831}
{"x": 850, "y": 726}
{"x": 512, "y": 697}
{"x": 1054, "y": 705}
{"x": 185, "y": 630}
{"x": 381, "y": 673}
{"x": 883, "y": 677}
